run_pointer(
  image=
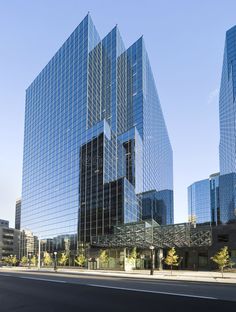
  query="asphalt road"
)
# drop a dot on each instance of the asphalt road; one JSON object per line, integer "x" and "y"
{"x": 33, "y": 292}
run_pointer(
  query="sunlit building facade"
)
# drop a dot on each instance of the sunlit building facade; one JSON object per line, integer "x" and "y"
{"x": 95, "y": 140}
{"x": 199, "y": 202}
{"x": 227, "y": 148}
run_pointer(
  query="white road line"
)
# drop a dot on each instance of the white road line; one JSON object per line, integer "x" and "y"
{"x": 152, "y": 291}
{"x": 7, "y": 275}
{"x": 160, "y": 283}
{"x": 41, "y": 279}
{"x": 113, "y": 287}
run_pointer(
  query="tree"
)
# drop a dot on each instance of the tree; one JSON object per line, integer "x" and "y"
{"x": 6, "y": 260}
{"x": 47, "y": 259}
{"x": 80, "y": 260}
{"x": 24, "y": 260}
{"x": 13, "y": 260}
{"x": 63, "y": 259}
{"x": 222, "y": 259}
{"x": 103, "y": 256}
{"x": 172, "y": 258}
{"x": 34, "y": 260}
{"x": 132, "y": 256}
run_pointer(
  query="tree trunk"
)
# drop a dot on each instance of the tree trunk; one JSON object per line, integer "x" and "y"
{"x": 171, "y": 269}
{"x": 222, "y": 272}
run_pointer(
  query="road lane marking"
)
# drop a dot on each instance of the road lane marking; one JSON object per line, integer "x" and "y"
{"x": 111, "y": 287}
{"x": 34, "y": 278}
{"x": 152, "y": 291}
{"x": 42, "y": 279}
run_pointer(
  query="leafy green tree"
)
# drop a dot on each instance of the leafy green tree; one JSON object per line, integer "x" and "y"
{"x": 132, "y": 256}
{"x": 63, "y": 258}
{"x": 172, "y": 258}
{"x": 80, "y": 260}
{"x": 13, "y": 260}
{"x": 103, "y": 256}
{"x": 24, "y": 260}
{"x": 6, "y": 260}
{"x": 47, "y": 259}
{"x": 222, "y": 259}
{"x": 34, "y": 260}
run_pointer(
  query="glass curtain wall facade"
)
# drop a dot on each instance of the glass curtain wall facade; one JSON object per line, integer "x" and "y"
{"x": 227, "y": 147}
{"x": 215, "y": 198}
{"x": 227, "y": 105}
{"x": 95, "y": 140}
{"x": 199, "y": 202}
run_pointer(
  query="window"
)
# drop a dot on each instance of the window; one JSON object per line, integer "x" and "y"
{"x": 223, "y": 238}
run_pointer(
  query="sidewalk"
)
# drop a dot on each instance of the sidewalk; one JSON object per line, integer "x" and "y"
{"x": 178, "y": 275}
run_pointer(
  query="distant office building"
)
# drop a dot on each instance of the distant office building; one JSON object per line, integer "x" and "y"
{"x": 213, "y": 200}
{"x": 95, "y": 139}
{"x": 4, "y": 223}
{"x": 18, "y": 214}
{"x": 199, "y": 202}
{"x": 28, "y": 244}
{"x": 227, "y": 148}
{"x": 9, "y": 240}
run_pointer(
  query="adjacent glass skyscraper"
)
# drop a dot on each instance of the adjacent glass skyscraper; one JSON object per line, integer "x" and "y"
{"x": 95, "y": 140}
{"x": 203, "y": 200}
{"x": 199, "y": 202}
{"x": 227, "y": 108}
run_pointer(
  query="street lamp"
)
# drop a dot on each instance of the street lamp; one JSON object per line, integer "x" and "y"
{"x": 29, "y": 255}
{"x": 55, "y": 261}
{"x": 152, "y": 259}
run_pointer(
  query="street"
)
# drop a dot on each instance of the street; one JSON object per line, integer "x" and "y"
{"x": 36, "y": 291}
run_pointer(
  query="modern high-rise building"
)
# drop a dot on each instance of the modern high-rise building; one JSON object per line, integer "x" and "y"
{"x": 203, "y": 200}
{"x": 18, "y": 214}
{"x": 95, "y": 140}
{"x": 199, "y": 202}
{"x": 227, "y": 105}
{"x": 227, "y": 148}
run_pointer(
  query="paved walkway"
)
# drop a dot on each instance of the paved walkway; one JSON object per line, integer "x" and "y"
{"x": 180, "y": 275}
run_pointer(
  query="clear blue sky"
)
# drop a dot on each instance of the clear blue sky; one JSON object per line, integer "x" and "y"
{"x": 185, "y": 41}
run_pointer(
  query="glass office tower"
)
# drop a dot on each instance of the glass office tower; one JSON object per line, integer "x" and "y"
{"x": 199, "y": 202}
{"x": 227, "y": 105}
{"x": 95, "y": 140}
{"x": 227, "y": 148}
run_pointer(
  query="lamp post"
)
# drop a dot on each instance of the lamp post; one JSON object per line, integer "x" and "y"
{"x": 152, "y": 260}
{"x": 11, "y": 256}
{"x": 29, "y": 255}
{"x": 55, "y": 261}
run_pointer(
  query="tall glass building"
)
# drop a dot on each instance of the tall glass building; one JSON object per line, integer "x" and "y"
{"x": 227, "y": 148}
{"x": 199, "y": 202}
{"x": 95, "y": 140}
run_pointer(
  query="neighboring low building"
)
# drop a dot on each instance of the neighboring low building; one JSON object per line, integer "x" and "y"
{"x": 9, "y": 240}
{"x": 198, "y": 258}
{"x": 4, "y": 223}
{"x": 18, "y": 214}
